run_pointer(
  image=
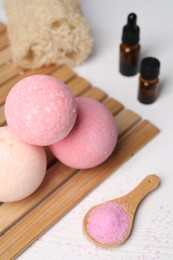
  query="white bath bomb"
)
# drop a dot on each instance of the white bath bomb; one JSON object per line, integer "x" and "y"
{"x": 23, "y": 167}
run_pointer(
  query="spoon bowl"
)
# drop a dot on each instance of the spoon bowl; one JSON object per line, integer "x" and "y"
{"x": 119, "y": 212}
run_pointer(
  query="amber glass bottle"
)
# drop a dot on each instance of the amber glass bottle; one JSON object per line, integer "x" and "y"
{"x": 148, "y": 80}
{"x": 130, "y": 48}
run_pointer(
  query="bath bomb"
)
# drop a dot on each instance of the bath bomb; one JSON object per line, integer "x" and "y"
{"x": 92, "y": 139}
{"x": 40, "y": 110}
{"x": 23, "y": 167}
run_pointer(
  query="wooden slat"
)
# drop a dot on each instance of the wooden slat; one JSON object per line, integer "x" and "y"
{"x": 124, "y": 118}
{"x": 2, "y": 116}
{"x": 113, "y": 105}
{"x": 60, "y": 202}
{"x": 78, "y": 85}
{"x": 95, "y": 92}
{"x": 64, "y": 74}
{"x": 4, "y": 41}
{"x": 5, "y": 55}
{"x": 2, "y": 28}
{"x": 8, "y": 71}
{"x": 5, "y": 88}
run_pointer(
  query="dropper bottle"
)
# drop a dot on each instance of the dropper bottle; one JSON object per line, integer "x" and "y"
{"x": 130, "y": 48}
{"x": 148, "y": 80}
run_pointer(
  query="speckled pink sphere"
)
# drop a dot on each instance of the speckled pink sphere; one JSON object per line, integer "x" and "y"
{"x": 40, "y": 110}
{"x": 23, "y": 167}
{"x": 92, "y": 139}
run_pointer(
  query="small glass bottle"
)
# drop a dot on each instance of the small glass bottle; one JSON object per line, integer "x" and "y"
{"x": 148, "y": 80}
{"x": 130, "y": 48}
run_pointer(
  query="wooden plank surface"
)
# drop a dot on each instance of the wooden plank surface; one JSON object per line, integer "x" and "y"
{"x": 5, "y": 55}
{"x": 4, "y": 41}
{"x": 7, "y": 72}
{"x": 2, "y": 28}
{"x": 22, "y": 222}
{"x": 2, "y": 116}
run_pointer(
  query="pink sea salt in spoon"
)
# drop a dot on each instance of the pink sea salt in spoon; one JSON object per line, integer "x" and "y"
{"x": 109, "y": 224}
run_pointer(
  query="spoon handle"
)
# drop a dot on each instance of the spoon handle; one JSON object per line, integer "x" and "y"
{"x": 131, "y": 200}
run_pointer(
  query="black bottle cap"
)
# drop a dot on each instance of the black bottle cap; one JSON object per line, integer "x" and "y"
{"x": 131, "y": 30}
{"x": 150, "y": 68}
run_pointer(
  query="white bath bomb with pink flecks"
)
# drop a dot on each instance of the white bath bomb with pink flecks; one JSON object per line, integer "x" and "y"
{"x": 23, "y": 167}
{"x": 92, "y": 139}
{"x": 40, "y": 110}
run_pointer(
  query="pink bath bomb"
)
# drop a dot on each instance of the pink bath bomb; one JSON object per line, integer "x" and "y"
{"x": 108, "y": 223}
{"x": 92, "y": 139}
{"x": 40, "y": 110}
{"x": 23, "y": 167}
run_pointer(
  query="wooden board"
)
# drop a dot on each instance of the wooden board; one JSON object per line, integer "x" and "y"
{"x": 22, "y": 222}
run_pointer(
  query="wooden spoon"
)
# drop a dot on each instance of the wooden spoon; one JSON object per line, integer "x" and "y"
{"x": 129, "y": 203}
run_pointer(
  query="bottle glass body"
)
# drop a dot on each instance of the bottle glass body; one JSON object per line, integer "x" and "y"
{"x": 148, "y": 90}
{"x": 129, "y": 59}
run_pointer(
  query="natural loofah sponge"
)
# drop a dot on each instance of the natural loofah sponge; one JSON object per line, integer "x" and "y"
{"x": 44, "y": 32}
